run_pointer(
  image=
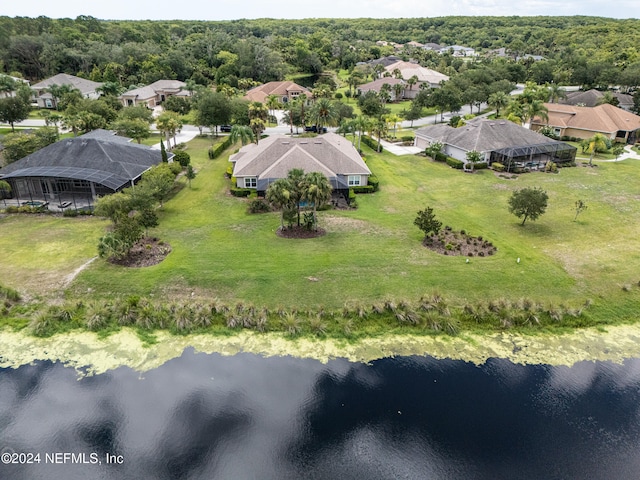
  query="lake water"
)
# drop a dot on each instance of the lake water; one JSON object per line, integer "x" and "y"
{"x": 206, "y": 416}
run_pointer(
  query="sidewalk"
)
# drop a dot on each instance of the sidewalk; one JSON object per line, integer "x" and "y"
{"x": 628, "y": 153}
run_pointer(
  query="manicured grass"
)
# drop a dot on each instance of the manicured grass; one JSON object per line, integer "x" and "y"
{"x": 373, "y": 253}
{"x": 585, "y": 156}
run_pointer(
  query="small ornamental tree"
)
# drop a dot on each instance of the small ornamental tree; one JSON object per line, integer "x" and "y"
{"x": 163, "y": 152}
{"x": 528, "y": 203}
{"x": 579, "y": 207}
{"x": 473, "y": 157}
{"x": 426, "y": 221}
{"x": 190, "y": 174}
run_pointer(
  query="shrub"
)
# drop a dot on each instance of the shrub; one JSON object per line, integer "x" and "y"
{"x": 258, "y": 205}
{"x": 480, "y": 165}
{"x": 407, "y": 138}
{"x": 241, "y": 192}
{"x": 182, "y": 157}
{"x": 364, "y": 189}
{"x": 70, "y": 213}
{"x": 453, "y": 163}
{"x": 371, "y": 143}
{"x": 216, "y": 150}
{"x": 175, "y": 168}
{"x": 498, "y": 167}
{"x": 374, "y": 182}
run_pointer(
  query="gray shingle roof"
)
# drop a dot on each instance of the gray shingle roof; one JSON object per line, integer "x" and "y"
{"x": 107, "y": 161}
{"x": 484, "y": 135}
{"x": 330, "y": 154}
{"x": 85, "y": 86}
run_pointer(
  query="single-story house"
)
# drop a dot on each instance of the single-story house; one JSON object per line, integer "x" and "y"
{"x": 88, "y": 88}
{"x": 584, "y": 122}
{"x": 285, "y": 91}
{"x": 425, "y": 75}
{"x": 257, "y": 166}
{"x": 154, "y": 94}
{"x": 376, "y": 85}
{"x": 499, "y": 141}
{"x": 80, "y": 168}
{"x": 458, "y": 51}
{"x": 9, "y": 79}
{"x": 593, "y": 97}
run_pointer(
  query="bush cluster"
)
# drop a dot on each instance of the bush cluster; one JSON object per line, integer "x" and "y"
{"x": 259, "y": 205}
{"x": 371, "y": 143}
{"x": 374, "y": 182}
{"x": 498, "y": 167}
{"x": 241, "y": 192}
{"x": 216, "y": 150}
{"x": 454, "y": 163}
{"x": 364, "y": 189}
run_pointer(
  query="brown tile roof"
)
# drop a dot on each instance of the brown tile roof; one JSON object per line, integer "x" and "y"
{"x": 377, "y": 84}
{"x": 409, "y": 69}
{"x": 261, "y": 92}
{"x": 603, "y": 118}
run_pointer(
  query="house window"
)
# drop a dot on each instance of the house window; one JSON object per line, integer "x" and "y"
{"x": 354, "y": 180}
{"x": 250, "y": 182}
{"x": 556, "y": 131}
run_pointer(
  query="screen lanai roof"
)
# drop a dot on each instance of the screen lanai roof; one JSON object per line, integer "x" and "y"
{"x": 109, "y": 163}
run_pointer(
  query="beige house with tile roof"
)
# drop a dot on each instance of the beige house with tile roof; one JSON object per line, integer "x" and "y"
{"x": 258, "y": 166}
{"x": 154, "y": 94}
{"x": 584, "y": 122}
{"x": 425, "y": 75}
{"x": 286, "y": 91}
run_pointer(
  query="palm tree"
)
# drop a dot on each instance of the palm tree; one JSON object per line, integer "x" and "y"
{"x": 323, "y": 113}
{"x": 361, "y": 124}
{"x": 242, "y": 133}
{"x": 397, "y": 73}
{"x": 498, "y": 100}
{"x": 412, "y": 81}
{"x": 398, "y": 88}
{"x": 556, "y": 92}
{"x": 58, "y": 91}
{"x": 279, "y": 194}
{"x": 317, "y": 191}
{"x": 354, "y": 80}
{"x": 393, "y": 120}
{"x": 379, "y": 127}
{"x": 385, "y": 93}
{"x": 169, "y": 124}
{"x": 597, "y": 143}
{"x": 258, "y": 110}
{"x": 273, "y": 103}
{"x": 534, "y": 109}
{"x": 257, "y": 125}
{"x": 296, "y": 180}
{"x": 378, "y": 68}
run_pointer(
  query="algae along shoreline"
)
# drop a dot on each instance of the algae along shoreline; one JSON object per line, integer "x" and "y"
{"x": 89, "y": 354}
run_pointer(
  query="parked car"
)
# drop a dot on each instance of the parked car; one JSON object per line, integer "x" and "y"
{"x": 225, "y": 128}
{"x": 314, "y": 129}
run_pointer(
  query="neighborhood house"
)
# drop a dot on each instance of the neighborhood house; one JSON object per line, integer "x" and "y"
{"x": 154, "y": 94}
{"x": 45, "y": 99}
{"x": 257, "y": 166}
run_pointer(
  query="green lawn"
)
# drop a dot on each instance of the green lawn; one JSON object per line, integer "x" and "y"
{"x": 369, "y": 254}
{"x": 585, "y": 156}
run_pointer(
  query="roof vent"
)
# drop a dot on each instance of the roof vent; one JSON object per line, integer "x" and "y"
{"x": 303, "y": 143}
{"x": 286, "y": 143}
{"x": 318, "y": 143}
{"x": 503, "y": 123}
{"x": 492, "y": 124}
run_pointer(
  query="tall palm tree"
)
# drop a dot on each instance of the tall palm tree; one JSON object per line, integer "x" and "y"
{"x": 379, "y": 127}
{"x": 169, "y": 124}
{"x": 556, "y": 92}
{"x": 279, "y": 194}
{"x": 317, "y": 191}
{"x": 242, "y": 133}
{"x": 323, "y": 113}
{"x": 297, "y": 185}
{"x": 393, "y": 120}
{"x": 361, "y": 124}
{"x": 498, "y": 100}
{"x": 257, "y": 125}
{"x": 412, "y": 81}
{"x": 273, "y": 103}
{"x": 398, "y": 88}
{"x": 596, "y": 143}
{"x": 385, "y": 93}
{"x": 534, "y": 109}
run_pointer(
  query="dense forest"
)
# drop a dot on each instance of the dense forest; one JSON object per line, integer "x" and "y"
{"x": 579, "y": 50}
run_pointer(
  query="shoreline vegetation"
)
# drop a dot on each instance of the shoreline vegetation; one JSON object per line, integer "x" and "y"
{"x": 368, "y": 279}
{"x": 91, "y": 353}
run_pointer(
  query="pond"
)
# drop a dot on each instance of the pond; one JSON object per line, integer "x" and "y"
{"x": 245, "y": 416}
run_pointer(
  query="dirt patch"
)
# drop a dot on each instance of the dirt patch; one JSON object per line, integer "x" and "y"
{"x": 299, "y": 232}
{"x": 448, "y": 242}
{"x": 146, "y": 252}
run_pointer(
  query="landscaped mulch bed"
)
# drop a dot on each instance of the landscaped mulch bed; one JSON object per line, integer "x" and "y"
{"x": 299, "y": 232}
{"x": 448, "y": 242}
{"x": 148, "y": 251}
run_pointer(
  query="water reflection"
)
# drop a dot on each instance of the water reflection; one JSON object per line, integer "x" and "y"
{"x": 244, "y": 417}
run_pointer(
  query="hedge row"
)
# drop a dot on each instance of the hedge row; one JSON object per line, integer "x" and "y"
{"x": 371, "y": 143}
{"x": 453, "y": 163}
{"x": 216, "y": 151}
{"x": 241, "y": 192}
{"x": 363, "y": 189}
{"x": 374, "y": 182}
